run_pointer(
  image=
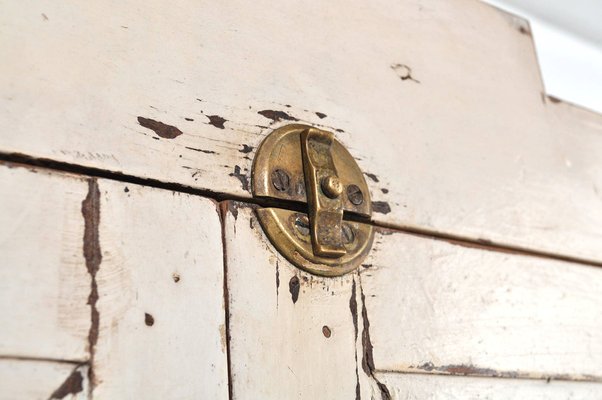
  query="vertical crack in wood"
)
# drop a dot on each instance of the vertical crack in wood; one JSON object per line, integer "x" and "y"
{"x": 224, "y": 208}
{"x": 368, "y": 357}
{"x": 353, "y": 309}
{"x": 93, "y": 257}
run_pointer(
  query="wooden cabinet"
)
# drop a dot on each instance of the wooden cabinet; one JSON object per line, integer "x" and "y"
{"x": 134, "y": 265}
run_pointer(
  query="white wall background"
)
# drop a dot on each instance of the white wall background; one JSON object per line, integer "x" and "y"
{"x": 568, "y": 39}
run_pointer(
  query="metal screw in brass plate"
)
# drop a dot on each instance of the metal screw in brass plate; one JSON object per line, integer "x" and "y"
{"x": 309, "y": 166}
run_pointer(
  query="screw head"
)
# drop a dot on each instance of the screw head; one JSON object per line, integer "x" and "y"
{"x": 302, "y": 224}
{"x": 355, "y": 195}
{"x": 280, "y": 180}
{"x": 332, "y": 186}
{"x": 348, "y": 235}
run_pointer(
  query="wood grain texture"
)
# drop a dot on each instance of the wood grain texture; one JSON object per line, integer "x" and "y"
{"x": 425, "y": 387}
{"x": 440, "y": 102}
{"x": 161, "y": 331}
{"x": 42, "y": 380}
{"x": 292, "y": 335}
{"x": 44, "y": 284}
{"x": 443, "y": 308}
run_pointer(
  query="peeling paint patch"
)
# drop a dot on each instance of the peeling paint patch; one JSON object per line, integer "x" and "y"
{"x": 216, "y": 121}
{"x": 93, "y": 257}
{"x": 162, "y": 130}
{"x": 381, "y": 207}
{"x": 72, "y": 385}
{"x": 353, "y": 309}
{"x": 277, "y": 115}
{"x": 277, "y": 282}
{"x": 241, "y": 177}
{"x": 246, "y": 149}
{"x": 368, "y": 358}
{"x": 371, "y": 176}
{"x": 149, "y": 320}
{"x": 293, "y": 286}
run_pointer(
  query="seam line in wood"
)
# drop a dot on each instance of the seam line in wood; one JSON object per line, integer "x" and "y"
{"x": 500, "y": 375}
{"x": 43, "y": 359}
{"x": 484, "y": 244}
{"x": 222, "y": 212}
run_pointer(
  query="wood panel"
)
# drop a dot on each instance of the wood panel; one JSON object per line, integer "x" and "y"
{"x": 420, "y": 306}
{"x": 444, "y": 308}
{"x": 292, "y": 335}
{"x": 42, "y": 380}
{"x": 441, "y": 104}
{"x": 124, "y": 278}
{"x": 161, "y": 329}
{"x": 425, "y": 387}
{"x": 44, "y": 284}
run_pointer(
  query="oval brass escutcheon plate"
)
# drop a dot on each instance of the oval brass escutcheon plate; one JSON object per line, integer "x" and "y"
{"x": 308, "y": 166}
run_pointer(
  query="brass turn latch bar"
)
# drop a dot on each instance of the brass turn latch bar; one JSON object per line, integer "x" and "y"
{"x": 308, "y": 165}
{"x": 323, "y": 193}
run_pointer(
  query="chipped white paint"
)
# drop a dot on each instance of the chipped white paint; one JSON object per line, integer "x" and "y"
{"x": 42, "y": 380}
{"x": 431, "y": 387}
{"x": 464, "y": 144}
{"x": 44, "y": 284}
{"x": 437, "y": 307}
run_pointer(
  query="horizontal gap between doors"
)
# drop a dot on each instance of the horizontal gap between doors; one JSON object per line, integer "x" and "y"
{"x": 61, "y": 166}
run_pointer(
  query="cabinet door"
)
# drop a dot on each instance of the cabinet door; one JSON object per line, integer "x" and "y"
{"x": 133, "y": 263}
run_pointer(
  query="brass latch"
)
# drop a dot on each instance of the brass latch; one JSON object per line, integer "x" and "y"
{"x": 307, "y": 165}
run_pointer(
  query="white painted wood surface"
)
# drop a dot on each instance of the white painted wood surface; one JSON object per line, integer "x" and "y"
{"x": 441, "y": 308}
{"x": 161, "y": 305}
{"x": 44, "y": 284}
{"x": 440, "y": 101}
{"x": 438, "y": 387}
{"x": 157, "y": 327}
{"x": 279, "y": 321}
{"x": 42, "y": 380}
{"x": 421, "y": 306}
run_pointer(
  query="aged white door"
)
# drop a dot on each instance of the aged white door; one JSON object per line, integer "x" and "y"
{"x": 133, "y": 264}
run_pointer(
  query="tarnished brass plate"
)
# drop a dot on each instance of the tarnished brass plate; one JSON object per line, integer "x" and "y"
{"x": 319, "y": 241}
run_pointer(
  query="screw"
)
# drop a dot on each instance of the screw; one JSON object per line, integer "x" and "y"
{"x": 302, "y": 224}
{"x": 355, "y": 195}
{"x": 280, "y": 180}
{"x": 348, "y": 235}
{"x": 332, "y": 186}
